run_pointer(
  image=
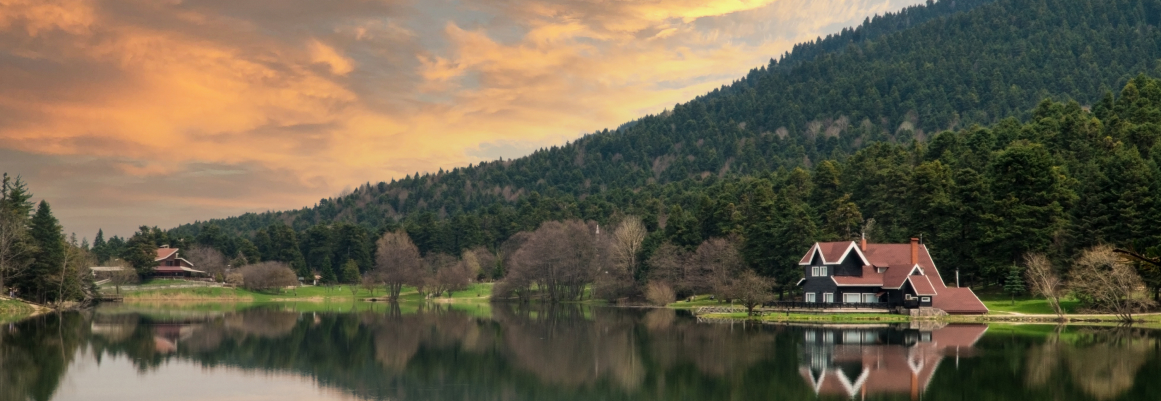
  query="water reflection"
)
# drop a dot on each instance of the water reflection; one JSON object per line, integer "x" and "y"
{"x": 862, "y": 360}
{"x": 535, "y": 352}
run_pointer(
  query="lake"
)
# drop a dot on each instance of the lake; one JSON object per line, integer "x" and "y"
{"x": 536, "y": 352}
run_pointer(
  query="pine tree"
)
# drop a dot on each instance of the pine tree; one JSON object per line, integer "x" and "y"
{"x": 1014, "y": 283}
{"x": 350, "y": 273}
{"x": 100, "y": 248}
{"x": 46, "y": 235}
{"x": 141, "y": 252}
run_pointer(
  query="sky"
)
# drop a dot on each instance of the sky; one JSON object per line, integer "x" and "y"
{"x": 122, "y": 113}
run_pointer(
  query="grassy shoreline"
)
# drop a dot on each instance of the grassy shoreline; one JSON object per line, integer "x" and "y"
{"x": 13, "y": 310}
{"x": 477, "y": 296}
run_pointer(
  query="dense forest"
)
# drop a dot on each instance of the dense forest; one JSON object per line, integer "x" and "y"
{"x": 989, "y": 133}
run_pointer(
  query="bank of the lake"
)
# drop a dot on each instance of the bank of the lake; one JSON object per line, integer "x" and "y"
{"x": 478, "y": 297}
{"x": 13, "y": 310}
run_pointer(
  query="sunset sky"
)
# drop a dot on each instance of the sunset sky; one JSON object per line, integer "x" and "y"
{"x": 161, "y": 112}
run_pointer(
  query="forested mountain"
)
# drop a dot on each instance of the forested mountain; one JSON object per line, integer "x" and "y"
{"x": 816, "y": 144}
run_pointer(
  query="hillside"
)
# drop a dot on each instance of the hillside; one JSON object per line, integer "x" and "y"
{"x": 996, "y": 60}
{"x": 862, "y": 117}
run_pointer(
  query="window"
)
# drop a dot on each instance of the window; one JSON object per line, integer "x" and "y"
{"x": 828, "y": 297}
{"x": 851, "y": 298}
{"x": 814, "y": 271}
{"x": 810, "y": 297}
{"x": 870, "y": 298}
{"x": 926, "y": 299}
{"x": 822, "y": 269}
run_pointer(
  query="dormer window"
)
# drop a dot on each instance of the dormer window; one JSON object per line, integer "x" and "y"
{"x": 814, "y": 271}
{"x": 818, "y": 271}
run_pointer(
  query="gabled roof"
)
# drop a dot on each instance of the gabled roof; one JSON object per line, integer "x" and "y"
{"x": 164, "y": 253}
{"x": 832, "y": 252}
{"x": 922, "y": 285}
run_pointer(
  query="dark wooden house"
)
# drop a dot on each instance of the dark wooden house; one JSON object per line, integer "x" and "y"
{"x": 898, "y": 275}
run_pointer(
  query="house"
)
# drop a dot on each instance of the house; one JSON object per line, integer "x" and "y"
{"x": 897, "y": 275}
{"x": 857, "y": 362}
{"x": 169, "y": 265}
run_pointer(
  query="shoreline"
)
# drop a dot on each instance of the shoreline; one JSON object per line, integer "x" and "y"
{"x": 480, "y": 294}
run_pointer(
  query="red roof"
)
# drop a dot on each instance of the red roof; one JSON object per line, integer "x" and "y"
{"x": 923, "y": 285}
{"x": 871, "y": 276}
{"x": 832, "y": 252}
{"x": 958, "y": 301}
{"x": 165, "y": 253}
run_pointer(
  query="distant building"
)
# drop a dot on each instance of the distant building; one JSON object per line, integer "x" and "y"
{"x": 899, "y": 275}
{"x": 169, "y": 265}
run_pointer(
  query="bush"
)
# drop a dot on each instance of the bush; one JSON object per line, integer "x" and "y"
{"x": 659, "y": 293}
{"x": 267, "y": 276}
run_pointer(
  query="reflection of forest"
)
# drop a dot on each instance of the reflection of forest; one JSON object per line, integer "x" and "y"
{"x": 527, "y": 352}
{"x": 1102, "y": 362}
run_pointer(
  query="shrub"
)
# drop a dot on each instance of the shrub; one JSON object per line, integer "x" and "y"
{"x": 659, "y": 293}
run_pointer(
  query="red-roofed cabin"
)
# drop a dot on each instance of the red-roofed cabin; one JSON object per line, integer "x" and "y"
{"x": 899, "y": 275}
{"x": 169, "y": 265}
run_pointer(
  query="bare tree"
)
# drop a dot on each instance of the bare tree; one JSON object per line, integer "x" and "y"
{"x": 560, "y": 258}
{"x": 443, "y": 274}
{"x": 14, "y": 251}
{"x": 668, "y": 264}
{"x": 716, "y": 263}
{"x": 1108, "y": 283}
{"x": 207, "y": 259}
{"x": 1043, "y": 281}
{"x": 370, "y": 281}
{"x": 267, "y": 276}
{"x": 122, "y": 277}
{"x": 488, "y": 262}
{"x": 659, "y": 293}
{"x": 397, "y": 262}
{"x": 751, "y": 290}
{"x": 627, "y": 241}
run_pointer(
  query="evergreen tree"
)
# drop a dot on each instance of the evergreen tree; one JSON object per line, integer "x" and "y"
{"x": 100, "y": 249}
{"x": 49, "y": 258}
{"x": 140, "y": 252}
{"x": 350, "y": 272}
{"x": 1014, "y": 282}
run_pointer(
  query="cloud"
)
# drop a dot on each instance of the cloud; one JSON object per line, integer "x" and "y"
{"x": 131, "y": 112}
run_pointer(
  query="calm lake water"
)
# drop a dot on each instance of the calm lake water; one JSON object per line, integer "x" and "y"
{"x": 519, "y": 352}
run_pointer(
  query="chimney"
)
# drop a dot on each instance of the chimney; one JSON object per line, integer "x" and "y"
{"x": 863, "y": 243}
{"x": 914, "y": 251}
{"x": 165, "y": 246}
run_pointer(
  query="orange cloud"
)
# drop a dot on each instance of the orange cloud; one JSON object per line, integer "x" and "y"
{"x": 284, "y": 102}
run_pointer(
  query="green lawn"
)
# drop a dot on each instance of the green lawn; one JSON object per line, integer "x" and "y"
{"x": 13, "y": 310}
{"x": 1027, "y": 305}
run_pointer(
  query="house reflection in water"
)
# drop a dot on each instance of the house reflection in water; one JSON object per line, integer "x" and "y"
{"x": 856, "y": 361}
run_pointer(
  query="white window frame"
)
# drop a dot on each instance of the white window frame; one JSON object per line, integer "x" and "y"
{"x": 848, "y": 296}
{"x": 828, "y": 297}
{"x": 869, "y": 298}
{"x": 810, "y": 297}
{"x": 822, "y": 269}
{"x": 814, "y": 271}
{"x": 925, "y": 299}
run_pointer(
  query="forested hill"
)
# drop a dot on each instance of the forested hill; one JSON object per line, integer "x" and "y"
{"x": 825, "y": 100}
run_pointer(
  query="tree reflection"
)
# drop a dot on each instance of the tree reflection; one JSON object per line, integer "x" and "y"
{"x": 1103, "y": 362}
{"x": 570, "y": 352}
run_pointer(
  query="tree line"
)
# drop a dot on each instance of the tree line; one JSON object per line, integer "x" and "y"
{"x": 37, "y": 261}
{"x": 1067, "y": 179}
